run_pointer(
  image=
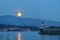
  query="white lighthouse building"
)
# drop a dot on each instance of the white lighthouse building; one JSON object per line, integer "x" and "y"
{"x": 42, "y": 25}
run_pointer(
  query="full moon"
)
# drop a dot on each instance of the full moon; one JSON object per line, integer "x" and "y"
{"x": 19, "y": 14}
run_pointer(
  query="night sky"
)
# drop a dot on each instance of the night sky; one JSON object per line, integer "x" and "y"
{"x": 39, "y": 9}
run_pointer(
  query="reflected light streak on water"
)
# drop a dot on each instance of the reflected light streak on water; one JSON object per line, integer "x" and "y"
{"x": 19, "y": 36}
{"x": 4, "y": 36}
{"x": 11, "y": 36}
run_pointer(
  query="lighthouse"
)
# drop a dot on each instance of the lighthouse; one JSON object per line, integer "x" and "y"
{"x": 42, "y": 26}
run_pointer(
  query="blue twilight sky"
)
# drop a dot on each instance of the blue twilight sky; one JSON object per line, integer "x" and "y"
{"x": 39, "y": 9}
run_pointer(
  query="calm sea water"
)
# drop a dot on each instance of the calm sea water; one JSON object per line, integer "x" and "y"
{"x": 28, "y": 36}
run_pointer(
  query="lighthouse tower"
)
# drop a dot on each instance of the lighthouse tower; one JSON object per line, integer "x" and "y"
{"x": 42, "y": 27}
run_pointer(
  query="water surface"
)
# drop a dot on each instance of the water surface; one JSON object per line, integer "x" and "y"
{"x": 33, "y": 35}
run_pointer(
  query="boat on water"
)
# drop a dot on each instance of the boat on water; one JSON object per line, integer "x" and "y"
{"x": 51, "y": 30}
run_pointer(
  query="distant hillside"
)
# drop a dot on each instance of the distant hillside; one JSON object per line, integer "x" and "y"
{"x": 12, "y": 20}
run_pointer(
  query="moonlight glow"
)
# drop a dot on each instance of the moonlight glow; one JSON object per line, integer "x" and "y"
{"x": 19, "y": 14}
